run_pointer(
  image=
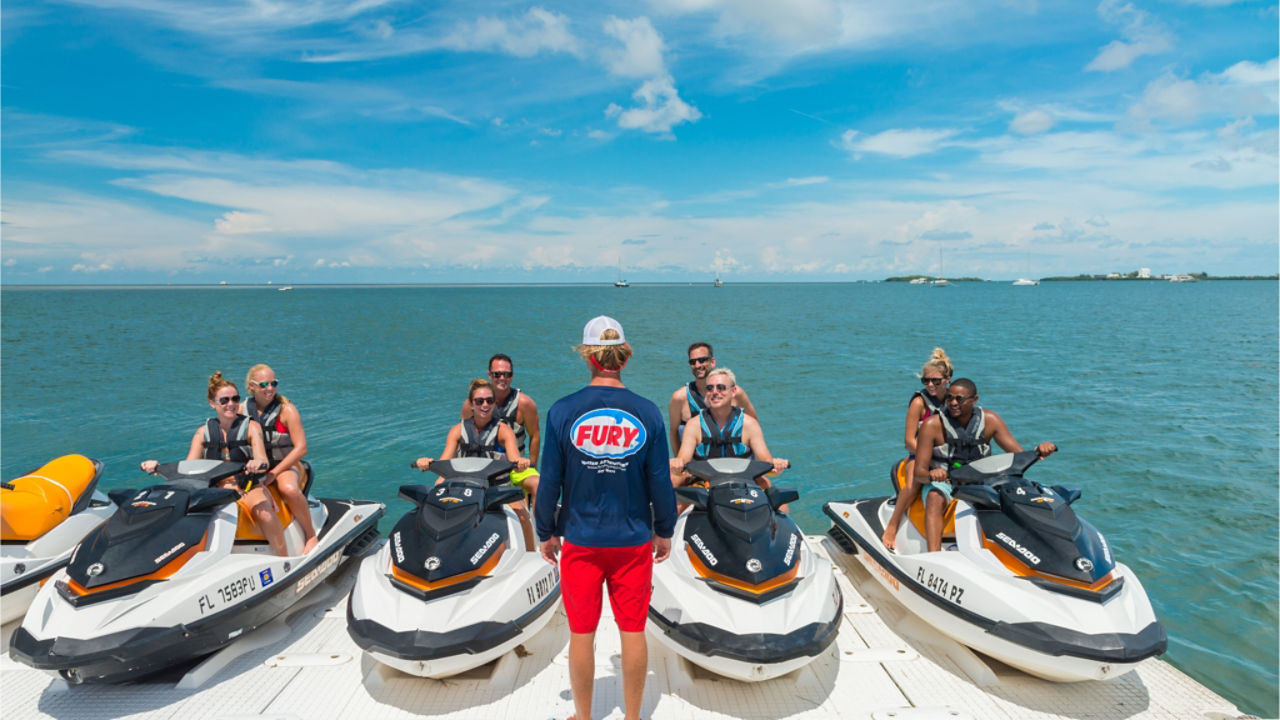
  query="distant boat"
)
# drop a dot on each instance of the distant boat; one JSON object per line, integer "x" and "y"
{"x": 1182, "y": 277}
{"x": 939, "y": 281}
{"x": 719, "y": 282}
{"x": 223, "y": 282}
{"x": 620, "y": 283}
{"x": 282, "y": 288}
{"x": 1025, "y": 281}
{"x": 920, "y": 281}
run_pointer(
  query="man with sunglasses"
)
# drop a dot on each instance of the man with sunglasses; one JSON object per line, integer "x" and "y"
{"x": 515, "y": 409}
{"x": 954, "y": 438}
{"x": 722, "y": 430}
{"x": 690, "y": 400}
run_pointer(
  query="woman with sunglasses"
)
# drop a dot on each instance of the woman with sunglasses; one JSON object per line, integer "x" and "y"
{"x": 935, "y": 377}
{"x": 233, "y": 437}
{"x": 483, "y": 435}
{"x": 286, "y": 444}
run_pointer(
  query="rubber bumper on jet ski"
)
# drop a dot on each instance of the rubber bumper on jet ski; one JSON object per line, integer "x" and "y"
{"x": 757, "y": 649}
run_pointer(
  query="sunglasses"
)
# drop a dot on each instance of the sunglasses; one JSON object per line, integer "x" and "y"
{"x": 500, "y": 373}
{"x": 932, "y": 381}
{"x": 700, "y": 360}
{"x": 265, "y": 384}
{"x": 959, "y": 399}
{"x": 225, "y": 399}
{"x": 717, "y": 387}
{"x": 482, "y": 401}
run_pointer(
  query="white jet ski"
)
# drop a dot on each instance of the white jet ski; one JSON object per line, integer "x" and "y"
{"x": 166, "y": 580}
{"x": 1025, "y": 580}
{"x": 742, "y": 595}
{"x": 455, "y": 586}
{"x": 44, "y": 515}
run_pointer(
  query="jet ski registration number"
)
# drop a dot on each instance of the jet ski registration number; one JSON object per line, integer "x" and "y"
{"x": 228, "y": 593}
{"x": 944, "y": 589}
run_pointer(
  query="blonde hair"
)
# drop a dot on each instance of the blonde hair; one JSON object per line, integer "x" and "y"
{"x": 217, "y": 382}
{"x": 609, "y": 357}
{"x": 248, "y": 380}
{"x": 479, "y": 384}
{"x": 726, "y": 372}
{"x": 938, "y": 360}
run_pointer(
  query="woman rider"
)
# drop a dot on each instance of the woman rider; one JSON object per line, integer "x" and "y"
{"x": 233, "y": 437}
{"x": 935, "y": 376}
{"x": 483, "y": 435}
{"x": 286, "y": 445}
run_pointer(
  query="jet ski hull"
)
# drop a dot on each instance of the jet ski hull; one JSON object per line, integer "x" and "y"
{"x": 25, "y": 567}
{"x": 970, "y": 597}
{"x": 209, "y": 603}
{"x": 738, "y": 638}
{"x": 451, "y": 633}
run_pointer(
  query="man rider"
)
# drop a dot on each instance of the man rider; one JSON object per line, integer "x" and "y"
{"x": 517, "y": 410}
{"x": 721, "y": 430}
{"x": 689, "y": 400}
{"x": 959, "y": 436}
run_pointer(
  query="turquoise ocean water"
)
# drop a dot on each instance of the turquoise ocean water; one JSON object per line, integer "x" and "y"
{"x": 1162, "y": 397}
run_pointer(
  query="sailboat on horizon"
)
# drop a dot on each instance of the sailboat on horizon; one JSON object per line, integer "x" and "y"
{"x": 939, "y": 281}
{"x": 620, "y": 283}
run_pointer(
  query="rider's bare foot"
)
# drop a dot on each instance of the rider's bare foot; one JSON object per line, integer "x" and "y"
{"x": 890, "y": 540}
{"x": 310, "y": 545}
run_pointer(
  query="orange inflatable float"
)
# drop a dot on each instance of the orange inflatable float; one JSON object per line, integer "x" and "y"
{"x": 35, "y": 503}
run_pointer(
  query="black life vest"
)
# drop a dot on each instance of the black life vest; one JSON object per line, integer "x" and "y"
{"x": 474, "y": 443}
{"x": 932, "y": 405}
{"x": 963, "y": 445}
{"x": 235, "y": 447}
{"x": 507, "y": 414}
{"x": 274, "y": 433}
{"x": 720, "y": 442}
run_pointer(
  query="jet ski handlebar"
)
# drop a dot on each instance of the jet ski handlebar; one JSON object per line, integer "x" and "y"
{"x": 198, "y": 473}
{"x": 717, "y": 470}
{"x": 461, "y": 468}
{"x": 990, "y": 470}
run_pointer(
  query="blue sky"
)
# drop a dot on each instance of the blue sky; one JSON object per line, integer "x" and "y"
{"x": 157, "y": 141}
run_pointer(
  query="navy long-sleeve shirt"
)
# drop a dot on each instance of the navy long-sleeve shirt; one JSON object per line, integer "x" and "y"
{"x": 604, "y": 458}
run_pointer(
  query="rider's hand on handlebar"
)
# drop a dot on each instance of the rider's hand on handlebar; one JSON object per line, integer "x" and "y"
{"x": 780, "y": 464}
{"x": 938, "y": 475}
{"x": 423, "y": 463}
{"x": 149, "y": 466}
{"x": 1045, "y": 449}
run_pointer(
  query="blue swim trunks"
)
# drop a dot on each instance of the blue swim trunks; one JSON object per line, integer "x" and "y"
{"x": 941, "y": 486}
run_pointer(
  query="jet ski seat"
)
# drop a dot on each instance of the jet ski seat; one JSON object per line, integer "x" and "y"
{"x": 247, "y": 529}
{"x": 35, "y": 503}
{"x": 898, "y": 478}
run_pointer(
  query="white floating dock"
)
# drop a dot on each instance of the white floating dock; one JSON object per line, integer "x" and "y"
{"x": 883, "y": 666}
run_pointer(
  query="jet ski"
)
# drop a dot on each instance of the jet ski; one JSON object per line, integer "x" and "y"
{"x": 742, "y": 595}
{"x": 1024, "y": 580}
{"x": 43, "y": 516}
{"x": 167, "y": 578}
{"x": 455, "y": 586}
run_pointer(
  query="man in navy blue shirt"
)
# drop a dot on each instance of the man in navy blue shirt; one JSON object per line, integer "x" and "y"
{"x": 605, "y": 461}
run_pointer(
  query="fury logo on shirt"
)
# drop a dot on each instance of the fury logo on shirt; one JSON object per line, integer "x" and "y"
{"x": 607, "y": 433}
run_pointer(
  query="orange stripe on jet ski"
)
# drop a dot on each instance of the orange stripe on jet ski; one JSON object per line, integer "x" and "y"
{"x": 1017, "y": 567}
{"x": 427, "y": 586}
{"x": 165, "y": 571}
{"x": 766, "y": 586}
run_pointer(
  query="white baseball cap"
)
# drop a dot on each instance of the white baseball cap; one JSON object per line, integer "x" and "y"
{"x": 596, "y": 327}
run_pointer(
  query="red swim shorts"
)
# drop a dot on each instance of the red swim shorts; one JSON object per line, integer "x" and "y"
{"x": 628, "y": 571}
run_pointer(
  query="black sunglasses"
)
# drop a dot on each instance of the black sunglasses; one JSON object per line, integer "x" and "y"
{"x": 959, "y": 399}
{"x": 932, "y": 381}
{"x": 224, "y": 399}
{"x": 482, "y": 401}
{"x": 700, "y": 360}
{"x": 718, "y": 388}
{"x": 500, "y": 373}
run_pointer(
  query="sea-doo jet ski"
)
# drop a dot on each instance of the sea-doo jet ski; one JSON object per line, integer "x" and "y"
{"x": 43, "y": 516}
{"x": 742, "y": 595}
{"x": 167, "y": 579}
{"x": 1027, "y": 582}
{"x": 455, "y": 586}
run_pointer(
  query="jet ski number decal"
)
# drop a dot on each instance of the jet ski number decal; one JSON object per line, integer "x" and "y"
{"x": 230, "y": 592}
{"x": 543, "y": 586}
{"x": 607, "y": 433}
{"x": 944, "y": 589}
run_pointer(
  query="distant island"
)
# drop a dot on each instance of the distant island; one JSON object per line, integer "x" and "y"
{"x": 1135, "y": 275}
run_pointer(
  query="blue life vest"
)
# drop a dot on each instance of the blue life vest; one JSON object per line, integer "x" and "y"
{"x": 719, "y": 442}
{"x": 696, "y": 404}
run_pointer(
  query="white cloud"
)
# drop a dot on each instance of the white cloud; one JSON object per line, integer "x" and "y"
{"x": 539, "y": 30}
{"x": 1245, "y": 88}
{"x": 640, "y": 55}
{"x": 1143, "y": 35}
{"x": 1031, "y": 122}
{"x": 902, "y": 143}
{"x": 660, "y": 108}
{"x": 659, "y": 105}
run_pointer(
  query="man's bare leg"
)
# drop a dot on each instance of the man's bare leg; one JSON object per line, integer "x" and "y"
{"x": 935, "y": 506}
{"x": 582, "y": 672}
{"x": 635, "y": 665}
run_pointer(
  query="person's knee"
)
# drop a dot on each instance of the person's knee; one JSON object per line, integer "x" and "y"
{"x": 934, "y": 502}
{"x": 287, "y": 484}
